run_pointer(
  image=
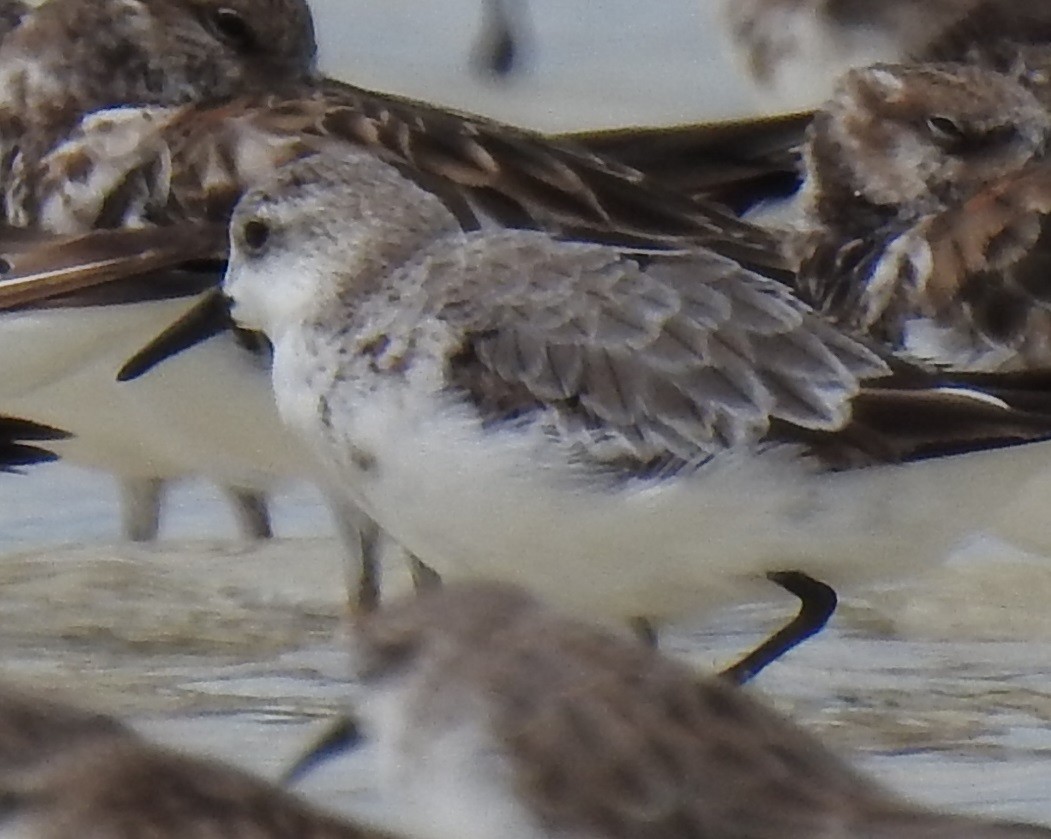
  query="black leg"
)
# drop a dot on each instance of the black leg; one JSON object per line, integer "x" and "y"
{"x": 362, "y": 543}
{"x": 252, "y": 512}
{"x": 817, "y": 603}
{"x": 368, "y": 581}
{"x": 140, "y": 508}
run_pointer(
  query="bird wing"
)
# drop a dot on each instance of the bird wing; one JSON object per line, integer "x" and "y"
{"x": 682, "y": 357}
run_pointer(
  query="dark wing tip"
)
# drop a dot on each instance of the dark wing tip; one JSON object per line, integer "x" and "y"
{"x": 15, "y": 450}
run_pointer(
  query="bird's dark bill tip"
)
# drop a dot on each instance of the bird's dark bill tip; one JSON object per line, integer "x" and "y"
{"x": 208, "y": 317}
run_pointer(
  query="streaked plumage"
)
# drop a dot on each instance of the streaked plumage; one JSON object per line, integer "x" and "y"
{"x": 168, "y": 166}
{"x": 925, "y": 205}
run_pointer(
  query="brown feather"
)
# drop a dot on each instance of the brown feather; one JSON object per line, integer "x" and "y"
{"x": 605, "y": 737}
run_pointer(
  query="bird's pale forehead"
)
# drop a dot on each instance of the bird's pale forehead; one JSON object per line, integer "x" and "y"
{"x": 291, "y": 193}
{"x": 343, "y": 186}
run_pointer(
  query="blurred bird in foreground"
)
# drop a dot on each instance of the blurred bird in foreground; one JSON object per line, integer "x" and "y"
{"x": 490, "y": 714}
{"x": 66, "y": 773}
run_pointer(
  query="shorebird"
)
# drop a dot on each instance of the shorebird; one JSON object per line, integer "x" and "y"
{"x": 67, "y": 59}
{"x": 753, "y": 162}
{"x": 630, "y": 436}
{"x": 190, "y": 164}
{"x": 66, "y": 772}
{"x": 926, "y": 194}
{"x": 492, "y": 715}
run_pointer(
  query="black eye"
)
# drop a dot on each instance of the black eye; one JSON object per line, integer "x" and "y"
{"x": 234, "y": 29}
{"x": 946, "y": 132}
{"x": 255, "y": 234}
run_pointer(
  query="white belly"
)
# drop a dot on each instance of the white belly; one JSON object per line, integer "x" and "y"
{"x": 471, "y": 502}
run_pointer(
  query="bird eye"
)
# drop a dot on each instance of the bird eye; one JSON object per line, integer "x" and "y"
{"x": 946, "y": 132}
{"x": 234, "y": 29}
{"x": 255, "y": 234}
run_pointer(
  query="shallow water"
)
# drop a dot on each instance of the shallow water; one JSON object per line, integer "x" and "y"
{"x": 941, "y": 689}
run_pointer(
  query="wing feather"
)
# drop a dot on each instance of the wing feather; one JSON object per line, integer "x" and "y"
{"x": 689, "y": 354}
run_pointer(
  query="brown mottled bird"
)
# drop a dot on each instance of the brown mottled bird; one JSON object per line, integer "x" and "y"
{"x": 491, "y": 714}
{"x": 925, "y": 207}
{"x": 799, "y": 48}
{"x": 148, "y": 52}
{"x": 67, "y": 773}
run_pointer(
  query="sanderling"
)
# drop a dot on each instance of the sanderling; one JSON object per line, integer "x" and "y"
{"x": 488, "y": 714}
{"x": 190, "y": 164}
{"x": 627, "y": 435}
